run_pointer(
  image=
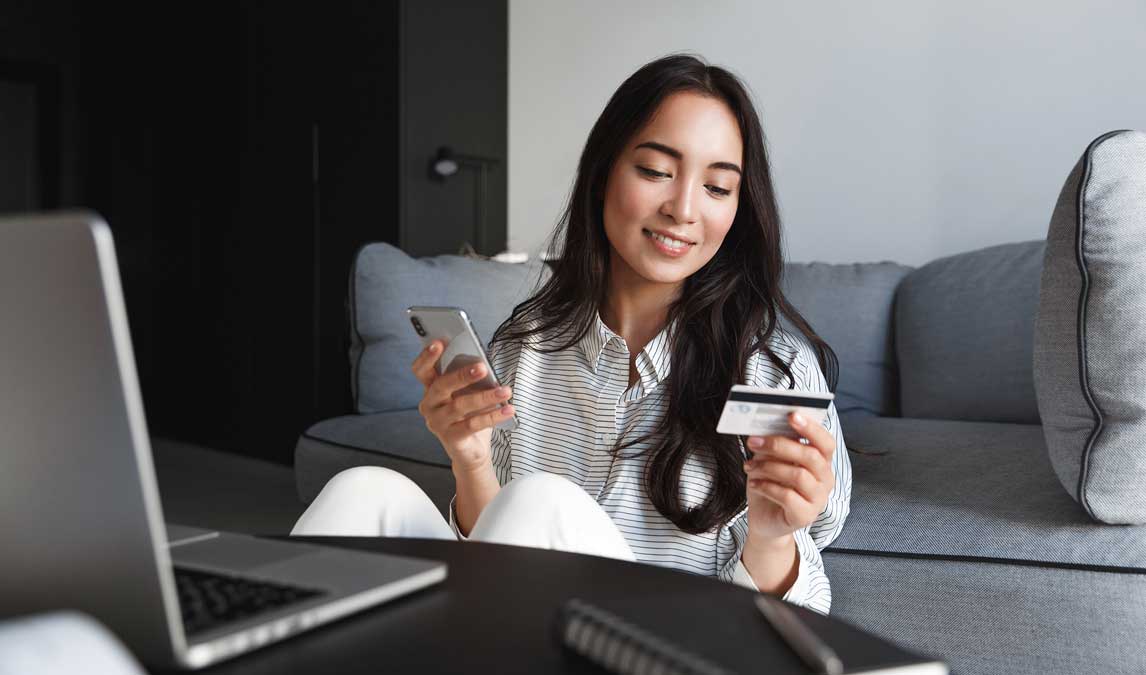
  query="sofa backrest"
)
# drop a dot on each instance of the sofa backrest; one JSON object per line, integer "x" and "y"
{"x": 964, "y": 331}
{"x": 850, "y": 307}
{"x": 384, "y": 281}
{"x": 949, "y": 340}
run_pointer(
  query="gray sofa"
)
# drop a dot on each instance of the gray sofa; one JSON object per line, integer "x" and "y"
{"x": 961, "y": 542}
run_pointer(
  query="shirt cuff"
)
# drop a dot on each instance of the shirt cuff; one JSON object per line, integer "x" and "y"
{"x": 798, "y": 593}
{"x": 454, "y": 520}
{"x": 795, "y": 595}
{"x": 740, "y": 576}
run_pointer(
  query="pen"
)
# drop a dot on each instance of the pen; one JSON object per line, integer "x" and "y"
{"x": 820, "y": 657}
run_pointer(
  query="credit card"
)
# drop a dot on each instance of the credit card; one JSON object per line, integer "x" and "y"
{"x": 763, "y": 411}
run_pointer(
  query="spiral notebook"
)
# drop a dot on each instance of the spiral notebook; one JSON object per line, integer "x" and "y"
{"x": 621, "y": 645}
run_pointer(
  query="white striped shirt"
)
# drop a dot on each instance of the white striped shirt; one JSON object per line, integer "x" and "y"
{"x": 572, "y": 405}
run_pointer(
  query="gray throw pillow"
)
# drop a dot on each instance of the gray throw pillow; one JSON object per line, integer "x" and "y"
{"x": 1090, "y": 332}
{"x": 963, "y": 329}
{"x": 850, "y": 307}
{"x": 384, "y": 281}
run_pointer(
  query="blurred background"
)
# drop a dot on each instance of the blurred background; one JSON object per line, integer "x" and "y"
{"x": 242, "y": 152}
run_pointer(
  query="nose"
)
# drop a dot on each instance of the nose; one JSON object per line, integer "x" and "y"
{"x": 681, "y": 204}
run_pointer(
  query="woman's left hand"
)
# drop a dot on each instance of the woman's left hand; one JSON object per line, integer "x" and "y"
{"x": 789, "y": 481}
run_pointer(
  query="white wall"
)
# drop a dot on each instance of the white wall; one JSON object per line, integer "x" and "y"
{"x": 900, "y": 130}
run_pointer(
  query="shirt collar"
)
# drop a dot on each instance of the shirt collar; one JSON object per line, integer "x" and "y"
{"x": 653, "y": 363}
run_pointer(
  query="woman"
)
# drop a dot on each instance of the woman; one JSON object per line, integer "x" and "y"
{"x": 665, "y": 294}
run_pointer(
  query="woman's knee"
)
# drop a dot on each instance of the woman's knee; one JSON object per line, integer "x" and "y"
{"x": 372, "y": 501}
{"x": 541, "y": 495}
{"x": 541, "y": 487}
{"x": 370, "y": 480}
{"x": 548, "y": 511}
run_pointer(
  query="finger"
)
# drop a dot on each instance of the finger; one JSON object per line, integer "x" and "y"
{"x": 425, "y": 365}
{"x": 443, "y": 388}
{"x": 795, "y": 506}
{"x": 789, "y": 475}
{"x": 464, "y": 405}
{"x": 817, "y": 434}
{"x": 781, "y": 449}
{"x": 475, "y": 423}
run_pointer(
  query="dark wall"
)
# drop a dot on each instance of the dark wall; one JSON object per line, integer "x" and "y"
{"x": 242, "y": 154}
{"x": 454, "y": 94}
{"x": 38, "y": 67}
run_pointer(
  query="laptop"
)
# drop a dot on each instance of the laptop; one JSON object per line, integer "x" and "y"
{"x": 81, "y": 523}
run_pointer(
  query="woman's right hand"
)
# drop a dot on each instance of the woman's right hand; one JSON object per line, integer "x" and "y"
{"x": 464, "y": 432}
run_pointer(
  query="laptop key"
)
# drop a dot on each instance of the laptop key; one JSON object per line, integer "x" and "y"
{"x": 209, "y": 599}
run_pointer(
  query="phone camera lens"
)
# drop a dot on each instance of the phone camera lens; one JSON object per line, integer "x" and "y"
{"x": 418, "y": 326}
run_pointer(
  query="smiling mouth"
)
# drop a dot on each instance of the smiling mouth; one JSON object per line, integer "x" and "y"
{"x": 677, "y": 244}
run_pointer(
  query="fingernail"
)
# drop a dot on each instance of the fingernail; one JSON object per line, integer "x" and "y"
{"x": 503, "y": 391}
{"x": 433, "y": 347}
{"x": 507, "y": 411}
{"x": 474, "y": 370}
{"x": 755, "y": 442}
{"x": 798, "y": 419}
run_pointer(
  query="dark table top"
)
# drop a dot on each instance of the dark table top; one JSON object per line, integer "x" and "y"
{"x": 495, "y": 613}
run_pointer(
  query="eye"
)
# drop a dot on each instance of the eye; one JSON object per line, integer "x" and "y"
{"x": 650, "y": 172}
{"x": 718, "y": 191}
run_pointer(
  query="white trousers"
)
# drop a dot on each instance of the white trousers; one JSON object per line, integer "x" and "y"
{"x": 541, "y": 510}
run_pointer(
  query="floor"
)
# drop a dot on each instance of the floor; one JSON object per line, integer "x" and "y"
{"x": 219, "y": 490}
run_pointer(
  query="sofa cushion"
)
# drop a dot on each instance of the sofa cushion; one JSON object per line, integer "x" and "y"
{"x": 384, "y": 281}
{"x": 986, "y": 618}
{"x": 850, "y": 307}
{"x": 964, "y": 326}
{"x": 402, "y": 433}
{"x": 1090, "y": 365}
{"x": 971, "y": 489}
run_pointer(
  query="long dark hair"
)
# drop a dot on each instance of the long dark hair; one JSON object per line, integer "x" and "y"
{"x": 726, "y": 311}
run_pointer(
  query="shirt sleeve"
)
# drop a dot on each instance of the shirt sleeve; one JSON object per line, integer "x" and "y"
{"x": 830, "y": 523}
{"x": 811, "y": 588}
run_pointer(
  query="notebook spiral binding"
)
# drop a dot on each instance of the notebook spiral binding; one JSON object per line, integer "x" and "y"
{"x": 622, "y": 647}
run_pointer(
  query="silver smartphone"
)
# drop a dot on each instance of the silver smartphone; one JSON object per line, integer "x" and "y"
{"x": 463, "y": 349}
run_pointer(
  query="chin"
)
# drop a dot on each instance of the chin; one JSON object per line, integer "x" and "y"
{"x": 662, "y": 272}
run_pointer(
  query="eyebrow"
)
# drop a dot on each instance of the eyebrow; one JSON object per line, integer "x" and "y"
{"x": 676, "y": 154}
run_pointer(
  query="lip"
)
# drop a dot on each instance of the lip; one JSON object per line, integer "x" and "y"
{"x": 666, "y": 250}
{"x": 670, "y": 235}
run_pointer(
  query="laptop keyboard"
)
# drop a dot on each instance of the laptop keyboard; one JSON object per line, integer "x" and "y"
{"x": 208, "y": 599}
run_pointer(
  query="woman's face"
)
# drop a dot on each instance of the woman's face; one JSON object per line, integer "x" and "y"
{"x": 671, "y": 195}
